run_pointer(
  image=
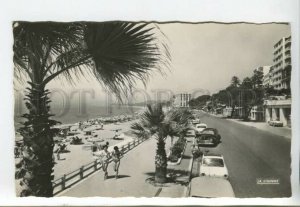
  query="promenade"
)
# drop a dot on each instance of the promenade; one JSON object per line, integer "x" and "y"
{"x": 136, "y": 167}
{"x": 72, "y": 161}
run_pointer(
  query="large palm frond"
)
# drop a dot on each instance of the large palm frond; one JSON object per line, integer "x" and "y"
{"x": 180, "y": 116}
{"x": 124, "y": 52}
{"x": 139, "y": 130}
{"x": 39, "y": 45}
{"x": 153, "y": 117}
{"x": 151, "y": 120}
{"x": 115, "y": 53}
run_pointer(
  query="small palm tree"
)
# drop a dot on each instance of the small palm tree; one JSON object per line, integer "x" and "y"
{"x": 154, "y": 122}
{"x": 115, "y": 53}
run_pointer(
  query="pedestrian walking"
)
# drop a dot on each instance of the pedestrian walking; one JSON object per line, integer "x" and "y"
{"x": 116, "y": 157}
{"x": 104, "y": 157}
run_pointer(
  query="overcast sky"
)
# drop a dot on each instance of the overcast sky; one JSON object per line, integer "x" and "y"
{"x": 205, "y": 56}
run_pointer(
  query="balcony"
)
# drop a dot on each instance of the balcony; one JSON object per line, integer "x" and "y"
{"x": 286, "y": 102}
{"x": 288, "y": 47}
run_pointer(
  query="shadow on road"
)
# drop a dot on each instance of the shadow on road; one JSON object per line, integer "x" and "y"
{"x": 119, "y": 177}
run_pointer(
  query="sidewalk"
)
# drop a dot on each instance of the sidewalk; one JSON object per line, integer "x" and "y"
{"x": 182, "y": 172}
{"x": 135, "y": 168}
{"x": 280, "y": 131}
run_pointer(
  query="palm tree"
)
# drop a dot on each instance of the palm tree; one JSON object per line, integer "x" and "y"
{"x": 115, "y": 53}
{"x": 154, "y": 122}
{"x": 235, "y": 81}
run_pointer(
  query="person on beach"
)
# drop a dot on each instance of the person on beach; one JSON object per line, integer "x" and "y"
{"x": 104, "y": 156}
{"x": 117, "y": 134}
{"x": 58, "y": 152}
{"x": 116, "y": 157}
{"x": 94, "y": 147}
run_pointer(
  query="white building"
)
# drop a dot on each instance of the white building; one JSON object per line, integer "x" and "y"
{"x": 278, "y": 110}
{"x": 267, "y": 81}
{"x": 182, "y": 100}
{"x": 281, "y": 69}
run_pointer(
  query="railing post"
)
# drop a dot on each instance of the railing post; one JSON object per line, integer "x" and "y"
{"x": 95, "y": 165}
{"x": 123, "y": 149}
{"x": 128, "y": 146}
{"x": 81, "y": 172}
{"x": 63, "y": 182}
{"x": 134, "y": 143}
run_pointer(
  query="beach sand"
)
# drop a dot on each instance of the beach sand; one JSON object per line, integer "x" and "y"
{"x": 81, "y": 154}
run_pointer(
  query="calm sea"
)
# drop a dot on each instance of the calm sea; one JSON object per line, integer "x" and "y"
{"x": 74, "y": 114}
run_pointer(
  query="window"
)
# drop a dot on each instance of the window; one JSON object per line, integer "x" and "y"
{"x": 213, "y": 162}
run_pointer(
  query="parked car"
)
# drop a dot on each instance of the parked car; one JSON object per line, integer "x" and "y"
{"x": 206, "y": 140}
{"x": 213, "y": 165}
{"x": 276, "y": 123}
{"x": 200, "y": 127}
{"x": 210, "y": 187}
{"x": 196, "y": 121}
{"x": 212, "y": 131}
{"x": 190, "y": 135}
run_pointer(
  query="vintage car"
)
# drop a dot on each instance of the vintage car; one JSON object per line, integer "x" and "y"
{"x": 210, "y": 187}
{"x": 200, "y": 127}
{"x": 275, "y": 123}
{"x": 213, "y": 165}
{"x": 208, "y": 137}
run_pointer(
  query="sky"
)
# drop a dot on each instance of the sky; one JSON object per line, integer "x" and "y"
{"x": 204, "y": 57}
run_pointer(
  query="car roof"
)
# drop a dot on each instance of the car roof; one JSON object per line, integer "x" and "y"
{"x": 211, "y": 187}
{"x": 212, "y": 129}
{"x": 213, "y": 155}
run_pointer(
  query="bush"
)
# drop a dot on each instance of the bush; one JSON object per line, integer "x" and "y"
{"x": 177, "y": 150}
{"x": 173, "y": 158}
{"x": 197, "y": 153}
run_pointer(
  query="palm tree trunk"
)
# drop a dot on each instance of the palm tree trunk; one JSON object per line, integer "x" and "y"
{"x": 161, "y": 162}
{"x": 172, "y": 141}
{"x": 37, "y": 165}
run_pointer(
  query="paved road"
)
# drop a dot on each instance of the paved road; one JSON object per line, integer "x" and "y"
{"x": 251, "y": 154}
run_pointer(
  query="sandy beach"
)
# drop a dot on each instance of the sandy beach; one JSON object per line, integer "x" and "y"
{"x": 82, "y": 154}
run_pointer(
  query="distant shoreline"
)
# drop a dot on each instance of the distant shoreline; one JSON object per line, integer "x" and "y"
{"x": 93, "y": 112}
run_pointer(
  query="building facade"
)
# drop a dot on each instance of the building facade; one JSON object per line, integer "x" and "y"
{"x": 257, "y": 113}
{"x": 182, "y": 100}
{"x": 281, "y": 69}
{"x": 278, "y": 110}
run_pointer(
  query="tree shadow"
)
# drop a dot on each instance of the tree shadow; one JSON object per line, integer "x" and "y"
{"x": 186, "y": 156}
{"x": 152, "y": 174}
{"x": 119, "y": 176}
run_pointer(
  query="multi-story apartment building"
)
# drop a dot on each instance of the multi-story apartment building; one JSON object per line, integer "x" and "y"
{"x": 281, "y": 69}
{"x": 279, "y": 108}
{"x": 182, "y": 100}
